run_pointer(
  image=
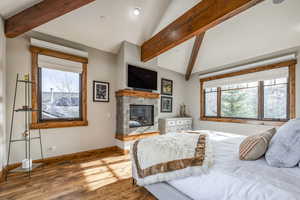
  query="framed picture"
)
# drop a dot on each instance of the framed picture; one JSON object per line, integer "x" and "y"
{"x": 166, "y": 87}
{"x": 166, "y": 104}
{"x": 100, "y": 91}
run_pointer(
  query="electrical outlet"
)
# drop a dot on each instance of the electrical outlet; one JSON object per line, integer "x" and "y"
{"x": 52, "y": 148}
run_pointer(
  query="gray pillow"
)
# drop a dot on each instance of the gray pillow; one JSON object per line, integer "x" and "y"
{"x": 284, "y": 147}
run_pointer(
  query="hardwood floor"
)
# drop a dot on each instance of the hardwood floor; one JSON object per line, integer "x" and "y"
{"x": 104, "y": 176}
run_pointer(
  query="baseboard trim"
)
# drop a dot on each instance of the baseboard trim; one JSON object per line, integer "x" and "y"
{"x": 65, "y": 157}
{"x": 123, "y": 151}
{"x": 1, "y": 175}
{"x": 135, "y": 137}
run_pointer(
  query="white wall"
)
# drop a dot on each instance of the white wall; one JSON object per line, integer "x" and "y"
{"x": 2, "y": 94}
{"x": 101, "y": 116}
{"x": 193, "y": 103}
{"x": 130, "y": 54}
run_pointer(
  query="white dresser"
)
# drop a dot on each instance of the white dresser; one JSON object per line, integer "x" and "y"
{"x": 167, "y": 125}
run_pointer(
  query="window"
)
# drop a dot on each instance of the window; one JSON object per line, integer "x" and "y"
{"x": 276, "y": 99}
{"x": 240, "y": 100}
{"x": 265, "y": 94}
{"x": 60, "y": 95}
{"x": 211, "y": 102}
{"x": 59, "y": 89}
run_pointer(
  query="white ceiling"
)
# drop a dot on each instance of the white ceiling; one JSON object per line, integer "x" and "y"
{"x": 85, "y": 25}
{"x": 261, "y": 30}
{"x": 103, "y": 24}
{"x": 175, "y": 9}
{"x": 10, "y": 7}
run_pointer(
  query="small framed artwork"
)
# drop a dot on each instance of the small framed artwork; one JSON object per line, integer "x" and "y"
{"x": 166, "y": 87}
{"x": 166, "y": 104}
{"x": 100, "y": 91}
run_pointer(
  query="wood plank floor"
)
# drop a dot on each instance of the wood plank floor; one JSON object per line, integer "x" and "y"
{"x": 103, "y": 176}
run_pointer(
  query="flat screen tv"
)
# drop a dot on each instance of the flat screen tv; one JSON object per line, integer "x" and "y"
{"x": 140, "y": 78}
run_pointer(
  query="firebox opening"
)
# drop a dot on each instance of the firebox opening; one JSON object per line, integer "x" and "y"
{"x": 141, "y": 115}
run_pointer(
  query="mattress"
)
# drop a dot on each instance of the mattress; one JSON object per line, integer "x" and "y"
{"x": 233, "y": 179}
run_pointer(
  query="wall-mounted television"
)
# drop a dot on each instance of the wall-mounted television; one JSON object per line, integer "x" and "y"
{"x": 140, "y": 78}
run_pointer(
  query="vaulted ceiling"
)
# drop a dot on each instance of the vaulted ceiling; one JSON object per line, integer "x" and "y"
{"x": 261, "y": 30}
{"x": 103, "y": 24}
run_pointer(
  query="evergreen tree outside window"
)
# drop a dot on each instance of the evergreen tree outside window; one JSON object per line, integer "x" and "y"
{"x": 265, "y": 94}
{"x": 240, "y": 101}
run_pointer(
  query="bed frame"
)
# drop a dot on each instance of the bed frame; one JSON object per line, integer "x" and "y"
{"x": 164, "y": 191}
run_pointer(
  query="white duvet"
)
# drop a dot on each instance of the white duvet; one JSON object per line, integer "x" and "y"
{"x": 232, "y": 179}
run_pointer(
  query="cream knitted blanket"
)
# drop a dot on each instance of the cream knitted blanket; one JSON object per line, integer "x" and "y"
{"x": 171, "y": 156}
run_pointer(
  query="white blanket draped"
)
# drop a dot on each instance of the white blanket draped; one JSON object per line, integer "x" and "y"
{"x": 166, "y": 148}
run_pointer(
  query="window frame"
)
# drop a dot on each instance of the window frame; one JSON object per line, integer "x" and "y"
{"x": 37, "y": 123}
{"x": 291, "y": 98}
{"x": 39, "y": 82}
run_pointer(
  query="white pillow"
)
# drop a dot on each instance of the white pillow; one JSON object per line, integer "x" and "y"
{"x": 284, "y": 147}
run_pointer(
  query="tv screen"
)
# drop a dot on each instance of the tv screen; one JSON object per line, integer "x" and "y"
{"x": 141, "y": 78}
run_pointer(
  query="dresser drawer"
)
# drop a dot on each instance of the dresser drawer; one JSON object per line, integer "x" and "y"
{"x": 187, "y": 121}
{"x": 180, "y": 122}
{"x": 171, "y": 123}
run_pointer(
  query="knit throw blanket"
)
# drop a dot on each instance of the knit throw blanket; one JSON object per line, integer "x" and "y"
{"x": 172, "y": 156}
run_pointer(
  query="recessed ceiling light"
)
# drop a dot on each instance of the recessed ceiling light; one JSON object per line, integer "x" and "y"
{"x": 137, "y": 11}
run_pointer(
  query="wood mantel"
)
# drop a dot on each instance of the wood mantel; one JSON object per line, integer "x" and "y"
{"x": 134, "y": 93}
{"x": 126, "y": 138}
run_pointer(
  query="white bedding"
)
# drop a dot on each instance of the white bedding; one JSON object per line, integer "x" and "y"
{"x": 232, "y": 179}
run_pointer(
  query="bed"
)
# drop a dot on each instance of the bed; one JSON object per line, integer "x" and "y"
{"x": 231, "y": 178}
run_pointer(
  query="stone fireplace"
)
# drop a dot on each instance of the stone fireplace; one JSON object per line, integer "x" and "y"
{"x": 141, "y": 115}
{"x": 137, "y": 114}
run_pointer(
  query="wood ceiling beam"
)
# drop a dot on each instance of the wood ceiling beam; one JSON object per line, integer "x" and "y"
{"x": 39, "y": 14}
{"x": 200, "y": 18}
{"x": 194, "y": 55}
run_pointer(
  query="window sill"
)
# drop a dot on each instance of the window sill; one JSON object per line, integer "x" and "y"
{"x": 244, "y": 121}
{"x": 57, "y": 124}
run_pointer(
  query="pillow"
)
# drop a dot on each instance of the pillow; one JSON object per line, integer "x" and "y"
{"x": 284, "y": 147}
{"x": 254, "y": 147}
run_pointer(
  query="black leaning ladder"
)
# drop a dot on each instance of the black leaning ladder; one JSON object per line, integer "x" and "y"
{"x": 27, "y": 133}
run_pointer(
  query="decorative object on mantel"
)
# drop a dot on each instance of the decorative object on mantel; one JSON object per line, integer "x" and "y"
{"x": 27, "y": 164}
{"x": 166, "y": 104}
{"x": 100, "y": 91}
{"x": 166, "y": 87}
{"x": 182, "y": 112}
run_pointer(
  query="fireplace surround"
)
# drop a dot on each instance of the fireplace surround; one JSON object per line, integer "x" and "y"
{"x": 137, "y": 114}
